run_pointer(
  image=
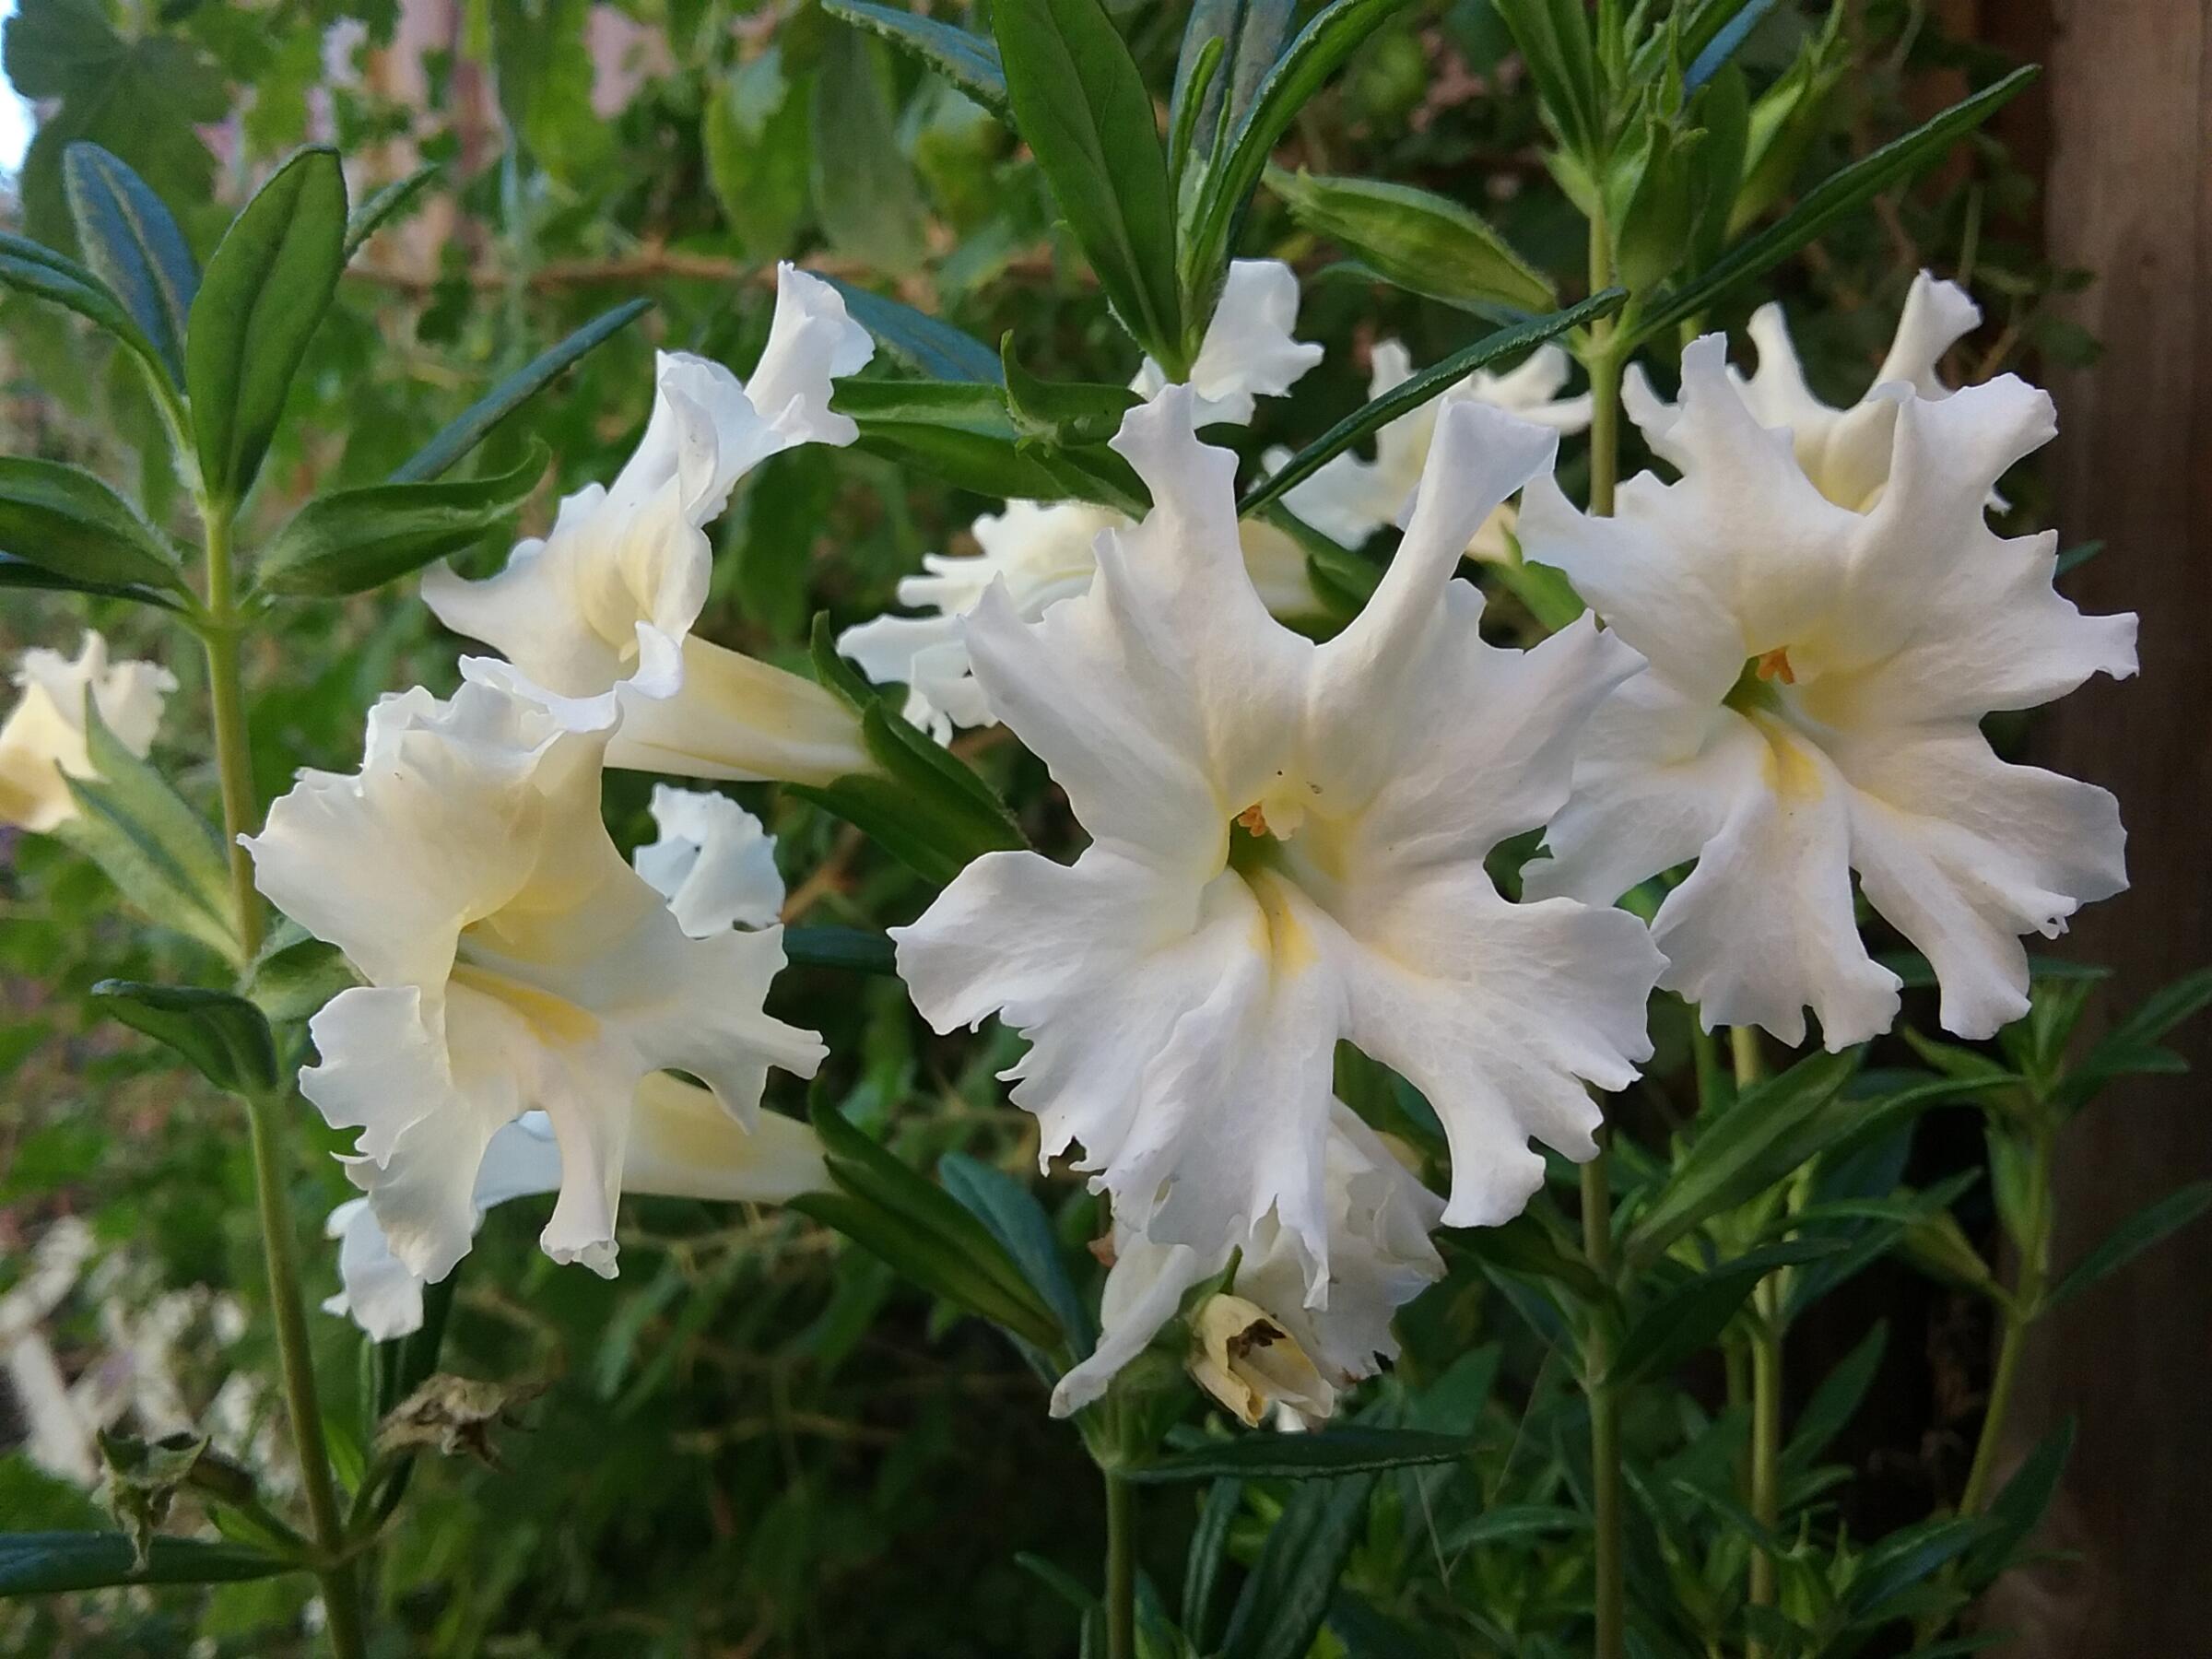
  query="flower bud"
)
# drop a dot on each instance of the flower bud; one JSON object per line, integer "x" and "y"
{"x": 1250, "y": 1363}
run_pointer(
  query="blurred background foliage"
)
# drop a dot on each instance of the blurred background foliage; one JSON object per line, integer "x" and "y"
{"x": 756, "y": 1441}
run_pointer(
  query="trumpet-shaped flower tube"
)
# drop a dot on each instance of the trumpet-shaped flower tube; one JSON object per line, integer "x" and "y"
{"x": 1812, "y": 707}
{"x": 1260, "y": 1346}
{"x": 1287, "y": 849}
{"x": 682, "y": 1144}
{"x": 43, "y": 743}
{"x": 595, "y": 619}
{"x": 1846, "y": 452}
{"x": 515, "y": 962}
{"x": 1043, "y": 551}
{"x": 1350, "y": 497}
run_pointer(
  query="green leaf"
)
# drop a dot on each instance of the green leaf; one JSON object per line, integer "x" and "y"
{"x": 352, "y": 540}
{"x": 295, "y": 973}
{"x": 130, "y": 240}
{"x": 1424, "y": 243}
{"x": 474, "y": 424}
{"x": 1841, "y": 193}
{"x": 1714, "y": 33}
{"x": 45, "y": 274}
{"x": 1016, "y": 1219}
{"x": 1904, "y": 1560}
{"x": 1320, "y": 49}
{"x": 1554, "y": 38}
{"x": 961, "y": 433}
{"x": 21, "y": 574}
{"x": 968, "y": 61}
{"x": 921, "y": 1230}
{"x": 1774, "y": 1126}
{"x": 852, "y": 950}
{"x": 1286, "y": 1594}
{"x": 1083, "y": 108}
{"x": 1066, "y": 414}
{"x": 53, "y": 1562}
{"x": 267, "y": 286}
{"x": 387, "y": 203}
{"x": 63, "y": 520}
{"x": 1544, "y": 593}
{"x": 160, "y": 854}
{"x": 1349, "y": 1449}
{"x": 1431, "y": 381}
{"x": 1251, "y": 34}
{"x": 929, "y": 345}
{"x": 758, "y": 137}
{"x": 224, "y": 1036}
{"x": 2019, "y": 1508}
{"x": 2145, "y": 1228}
{"x": 1512, "y": 1521}
{"x": 1526, "y": 1246}
{"x": 1691, "y": 1316}
{"x": 864, "y": 192}
{"x": 2133, "y": 1045}
{"x": 1835, "y": 1402}
{"x": 1202, "y": 1566}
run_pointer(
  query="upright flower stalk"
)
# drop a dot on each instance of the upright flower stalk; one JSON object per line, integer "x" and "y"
{"x": 219, "y": 627}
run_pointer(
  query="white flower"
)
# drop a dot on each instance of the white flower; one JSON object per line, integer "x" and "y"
{"x": 682, "y": 1144}
{"x": 513, "y": 960}
{"x": 595, "y": 620}
{"x": 1351, "y": 499}
{"x": 1287, "y": 849}
{"x": 44, "y": 741}
{"x": 1247, "y": 352}
{"x": 713, "y": 863}
{"x": 1043, "y": 554}
{"x": 1379, "y": 1219}
{"x": 1043, "y": 551}
{"x": 1818, "y": 676}
{"x": 1844, "y": 453}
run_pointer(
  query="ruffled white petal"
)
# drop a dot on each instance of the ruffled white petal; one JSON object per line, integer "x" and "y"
{"x": 42, "y": 741}
{"x": 713, "y": 863}
{"x": 1247, "y": 352}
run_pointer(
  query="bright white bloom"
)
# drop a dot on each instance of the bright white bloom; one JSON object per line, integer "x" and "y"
{"x": 1351, "y": 499}
{"x": 1818, "y": 676}
{"x": 43, "y": 740}
{"x": 1043, "y": 554}
{"x": 1379, "y": 1220}
{"x": 595, "y": 620}
{"x": 1846, "y": 452}
{"x": 1247, "y": 352}
{"x": 682, "y": 1144}
{"x": 1287, "y": 844}
{"x": 514, "y": 961}
{"x": 713, "y": 863}
{"x": 1042, "y": 551}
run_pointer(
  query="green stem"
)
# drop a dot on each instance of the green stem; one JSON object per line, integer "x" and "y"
{"x": 1605, "y": 1422}
{"x": 1766, "y": 1371}
{"x": 1601, "y": 357}
{"x": 341, "y": 1597}
{"x": 1121, "y": 1568}
{"x": 279, "y": 1239}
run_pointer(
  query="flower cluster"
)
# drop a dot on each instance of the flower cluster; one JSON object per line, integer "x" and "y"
{"x": 1778, "y": 688}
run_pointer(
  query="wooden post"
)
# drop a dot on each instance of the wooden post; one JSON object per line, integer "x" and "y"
{"x": 2129, "y": 97}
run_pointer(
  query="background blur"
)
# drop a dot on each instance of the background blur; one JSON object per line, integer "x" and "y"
{"x": 753, "y": 1443}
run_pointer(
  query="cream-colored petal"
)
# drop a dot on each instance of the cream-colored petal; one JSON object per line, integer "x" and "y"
{"x": 1247, "y": 352}
{"x": 712, "y": 861}
{"x": 739, "y": 720}
{"x": 42, "y": 741}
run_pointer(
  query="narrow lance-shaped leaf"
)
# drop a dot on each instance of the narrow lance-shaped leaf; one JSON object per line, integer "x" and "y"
{"x": 968, "y": 61}
{"x": 1019, "y": 1222}
{"x": 266, "y": 287}
{"x": 1424, "y": 243}
{"x": 386, "y": 204}
{"x": 1085, "y": 112}
{"x": 161, "y": 854}
{"x": 1835, "y": 1402}
{"x": 930, "y": 346}
{"x": 31, "y": 268}
{"x": 352, "y": 540}
{"x": 1320, "y": 49}
{"x": 961, "y": 433}
{"x": 21, "y": 574}
{"x": 134, "y": 246}
{"x": 1351, "y": 1450}
{"x": 474, "y": 424}
{"x": 1841, "y": 193}
{"x": 64, "y": 519}
{"x": 865, "y": 190}
{"x": 2145, "y": 1228}
{"x": 1687, "y": 1318}
{"x": 1286, "y": 1594}
{"x": 49, "y": 1563}
{"x": 1431, "y": 381}
{"x": 224, "y": 1036}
